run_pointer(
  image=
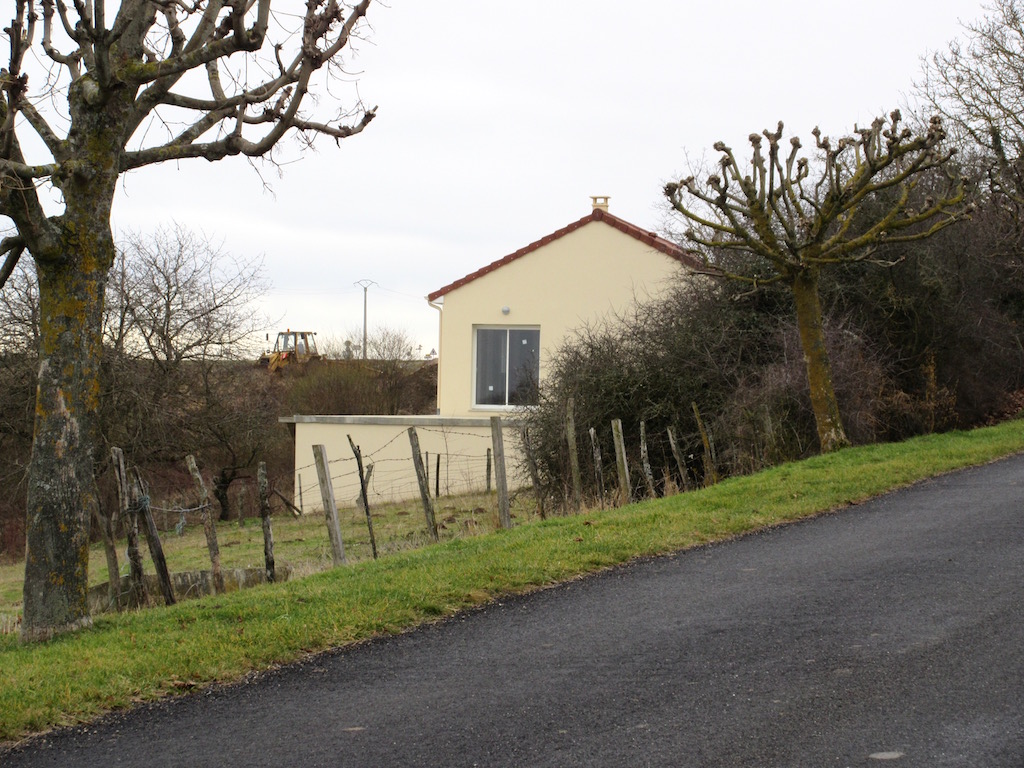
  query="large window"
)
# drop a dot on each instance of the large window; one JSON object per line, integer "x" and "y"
{"x": 507, "y": 366}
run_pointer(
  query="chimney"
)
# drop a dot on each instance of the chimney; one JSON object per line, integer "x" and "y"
{"x": 600, "y": 202}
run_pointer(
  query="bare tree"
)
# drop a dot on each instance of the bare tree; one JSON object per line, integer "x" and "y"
{"x": 125, "y": 90}
{"x": 978, "y": 88}
{"x": 234, "y": 424}
{"x": 791, "y": 216}
{"x": 390, "y": 352}
{"x": 178, "y": 308}
{"x": 19, "y": 332}
{"x": 183, "y": 297}
{"x": 387, "y": 343}
{"x": 191, "y": 315}
{"x": 19, "y": 312}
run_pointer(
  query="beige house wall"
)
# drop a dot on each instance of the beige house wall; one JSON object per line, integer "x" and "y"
{"x": 384, "y": 442}
{"x": 582, "y": 277}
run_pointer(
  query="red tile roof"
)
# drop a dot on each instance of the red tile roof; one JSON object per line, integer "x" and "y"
{"x": 650, "y": 238}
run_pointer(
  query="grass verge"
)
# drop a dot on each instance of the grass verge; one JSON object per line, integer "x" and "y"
{"x": 135, "y": 657}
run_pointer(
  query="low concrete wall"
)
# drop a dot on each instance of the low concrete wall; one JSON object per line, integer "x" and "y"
{"x": 461, "y": 442}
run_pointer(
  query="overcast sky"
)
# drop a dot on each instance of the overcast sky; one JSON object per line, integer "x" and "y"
{"x": 497, "y": 121}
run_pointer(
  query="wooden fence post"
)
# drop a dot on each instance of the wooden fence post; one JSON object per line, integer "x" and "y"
{"x": 209, "y": 526}
{"x": 242, "y": 499}
{"x": 678, "y": 456}
{"x": 598, "y": 468}
{"x": 625, "y": 489}
{"x": 710, "y": 473}
{"x": 424, "y": 483}
{"x": 107, "y": 523}
{"x": 497, "y": 440}
{"x": 645, "y": 462}
{"x": 323, "y": 471}
{"x": 140, "y": 500}
{"x": 363, "y": 496}
{"x": 574, "y": 457}
{"x": 137, "y": 593}
{"x": 487, "y": 471}
{"x": 106, "y": 527}
{"x": 531, "y": 463}
{"x": 268, "y": 533}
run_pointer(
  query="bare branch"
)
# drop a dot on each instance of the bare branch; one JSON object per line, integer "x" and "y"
{"x": 203, "y": 49}
{"x": 978, "y": 87}
{"x": 339, "y": 131}
{"x": 13, "y": 168}
{"x": 71, "y": 60}
{"x": 57, "y": 146}
{"x": 12, "y": 248}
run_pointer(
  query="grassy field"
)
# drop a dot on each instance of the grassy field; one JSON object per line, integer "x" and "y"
{"x": 131, "y": 657}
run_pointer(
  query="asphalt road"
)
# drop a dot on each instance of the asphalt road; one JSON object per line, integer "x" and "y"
{"x": 890, "y": 633}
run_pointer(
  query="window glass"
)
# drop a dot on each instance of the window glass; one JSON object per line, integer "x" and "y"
{"x": 491, "y": 352}
{"x": 507, "y": 366}
{"x": 523, "y": 366}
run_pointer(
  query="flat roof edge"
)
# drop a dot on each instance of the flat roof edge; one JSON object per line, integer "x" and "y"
{"x": 394, "y": 421}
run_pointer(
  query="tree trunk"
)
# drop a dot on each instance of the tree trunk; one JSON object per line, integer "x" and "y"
{"x": 831, "y": 434}
{"x": 73, "y": 255}
{"x": 62, "y": 494}
{"x": 574, "y": 457}
{"x": 221, "y": 484}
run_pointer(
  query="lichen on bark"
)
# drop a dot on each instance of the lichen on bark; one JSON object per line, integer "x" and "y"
{"x": 61, "y": 486}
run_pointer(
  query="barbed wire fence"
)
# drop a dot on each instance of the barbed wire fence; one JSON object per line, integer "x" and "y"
{"x": 458, "y": 462}
{"x": 450, "y": 472}
{"x": 647, "y": 465}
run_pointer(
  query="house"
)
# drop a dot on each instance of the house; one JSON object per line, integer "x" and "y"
{"x": 501, "y": 324}
{"x": 499, "y": 327}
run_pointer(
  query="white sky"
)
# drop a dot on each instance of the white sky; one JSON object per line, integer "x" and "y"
{"x": 497, "y": 121}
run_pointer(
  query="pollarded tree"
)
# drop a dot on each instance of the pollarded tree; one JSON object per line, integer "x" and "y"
{"x": 147, "y": 82}
{"x": 793, "y": 216}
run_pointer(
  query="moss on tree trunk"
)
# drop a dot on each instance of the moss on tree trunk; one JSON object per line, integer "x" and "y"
{"x": 61, "y": 488}
{"x": 831, "y": 434}
{"x": 62, "y": 494}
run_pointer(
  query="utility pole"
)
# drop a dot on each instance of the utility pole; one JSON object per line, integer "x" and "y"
{"x": 364, "y": 284}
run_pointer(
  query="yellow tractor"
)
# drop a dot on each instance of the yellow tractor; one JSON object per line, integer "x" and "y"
{"x": 291, "y": 348}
